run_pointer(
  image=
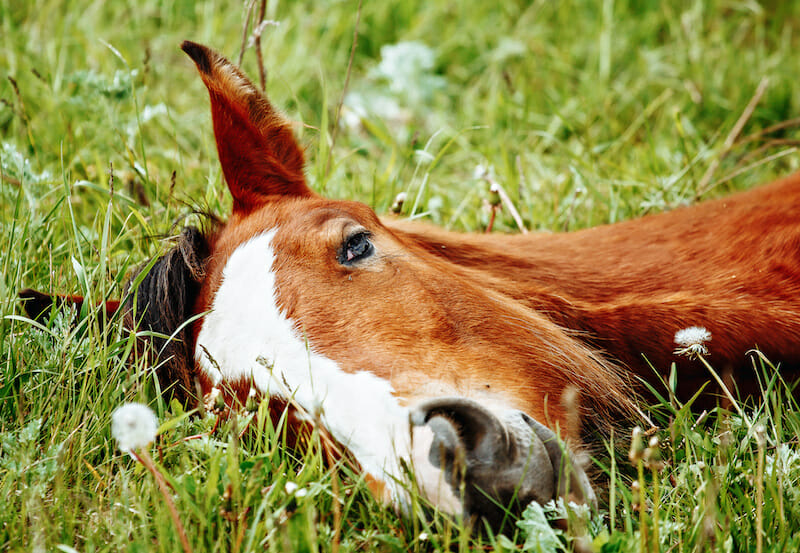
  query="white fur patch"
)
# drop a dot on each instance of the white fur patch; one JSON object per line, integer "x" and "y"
{"x": 245, "y": 324}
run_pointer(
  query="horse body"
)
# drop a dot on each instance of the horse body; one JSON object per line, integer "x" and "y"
{"x": 460, "y": 355}
{"x": 730, "y": 265}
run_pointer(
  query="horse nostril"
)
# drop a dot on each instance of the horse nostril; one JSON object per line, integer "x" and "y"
{"x": 480, "y": 432}
{"x": 446, "y": 447}
{"x": 570, "y": 479}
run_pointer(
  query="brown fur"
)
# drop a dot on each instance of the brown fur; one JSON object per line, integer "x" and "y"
{"x": 730, "y": 265}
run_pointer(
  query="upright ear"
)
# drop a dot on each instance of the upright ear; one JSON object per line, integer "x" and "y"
{"x": 258, "y": 152}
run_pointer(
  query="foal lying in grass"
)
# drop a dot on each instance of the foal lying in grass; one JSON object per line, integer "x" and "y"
{"x": 452, "y": 354}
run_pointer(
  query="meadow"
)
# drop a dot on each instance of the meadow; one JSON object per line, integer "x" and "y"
{"x": 587, "y": 112}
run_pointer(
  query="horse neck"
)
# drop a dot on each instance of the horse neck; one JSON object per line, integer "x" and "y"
{"x": 630, "y": 286}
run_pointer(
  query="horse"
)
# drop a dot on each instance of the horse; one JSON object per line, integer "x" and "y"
{"x": 476, "y": 360}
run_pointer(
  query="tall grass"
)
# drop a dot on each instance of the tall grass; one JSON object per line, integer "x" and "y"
{"x": 587, "y": 112}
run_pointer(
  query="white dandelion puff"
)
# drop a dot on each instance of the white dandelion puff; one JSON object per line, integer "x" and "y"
{"x": 692, "y": 335}
{"x": 691, "y": 341}
{"x": 399, "y": 200}
{"x": 482, "y": 172}
{"x": 133, "y": 425}
{"x": 293, "y": 489}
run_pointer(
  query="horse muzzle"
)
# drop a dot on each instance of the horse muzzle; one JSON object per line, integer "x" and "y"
{"x": 491, "y": 465}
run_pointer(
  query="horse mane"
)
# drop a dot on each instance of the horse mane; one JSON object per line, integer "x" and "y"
{"x": 159, "y": 307}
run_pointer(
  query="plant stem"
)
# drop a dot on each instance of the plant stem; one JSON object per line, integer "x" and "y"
{"x": 726, "y": 391}
{"x": 760, "y": 442}
{"x": 144, "y": 457}
{"x": 642, "y": 518}
{"x": 656, "y": 499}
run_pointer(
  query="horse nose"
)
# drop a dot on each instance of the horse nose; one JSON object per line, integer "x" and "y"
{"x": 571, "y": 480}
{"x": 498, "y": 462}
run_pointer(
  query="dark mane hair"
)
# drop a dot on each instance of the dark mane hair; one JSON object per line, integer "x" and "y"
{"x": 159, "y": 305}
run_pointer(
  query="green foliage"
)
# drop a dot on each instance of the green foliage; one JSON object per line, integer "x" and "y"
{"x": 588, "y": 112}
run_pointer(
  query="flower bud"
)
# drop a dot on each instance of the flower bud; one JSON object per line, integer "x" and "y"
{"x": 399, "y": 200}
{"x": 637, "y": 445}
{"x": 494, "y": 195}
{"x": 213, "y": 401}
{"x": 251, "y": 405}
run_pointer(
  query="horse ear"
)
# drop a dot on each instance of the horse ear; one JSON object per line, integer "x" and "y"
{"x": 39, "y": 305}
{"x": 257, "y": 150}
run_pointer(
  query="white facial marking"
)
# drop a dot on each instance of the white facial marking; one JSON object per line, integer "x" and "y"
{"x": 431, "y": 479}
{"x": 247, "y": 337}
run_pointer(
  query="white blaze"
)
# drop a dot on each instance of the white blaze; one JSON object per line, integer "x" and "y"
{"x": 245, "y": 324}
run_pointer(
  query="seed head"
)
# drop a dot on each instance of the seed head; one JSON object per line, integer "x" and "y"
{"x": 399, "y": 200}
{"x": 133, "y": 425}
{"x": 691, "y": 341}
{"x": 251, "y": 405}
{"x": 637, "y": 445}
{"x": 494, "y": 195}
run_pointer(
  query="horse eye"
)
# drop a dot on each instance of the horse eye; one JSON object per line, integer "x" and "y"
{"x": 356, "y": 248}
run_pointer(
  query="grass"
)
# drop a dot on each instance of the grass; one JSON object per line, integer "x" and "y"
{"x": 588, "y": 112}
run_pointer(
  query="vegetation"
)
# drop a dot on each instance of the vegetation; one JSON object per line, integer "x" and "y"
{"x": 587, "y": 113}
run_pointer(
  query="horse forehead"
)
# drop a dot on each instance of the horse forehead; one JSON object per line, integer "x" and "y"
{"x": 310, "y": 225}
{"x": 300, "y": 227}
{"x": 323, "y": 213}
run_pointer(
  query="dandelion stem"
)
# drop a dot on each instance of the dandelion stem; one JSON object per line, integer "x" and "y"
{"x": 144, "y": 457}
{"x": 760, "y": 442}
{"x": 337, "y": 509}
{"x": 726, "y": 391}
{"x": 612, "y": 492}
{"x": 642, "y": 515}
{"x": 656, "y": 499}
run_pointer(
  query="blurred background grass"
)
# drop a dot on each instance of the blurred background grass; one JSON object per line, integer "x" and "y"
{"x": 588, "y": 112}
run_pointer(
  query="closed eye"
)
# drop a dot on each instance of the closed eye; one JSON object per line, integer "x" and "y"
{"x": 356, "y": 248}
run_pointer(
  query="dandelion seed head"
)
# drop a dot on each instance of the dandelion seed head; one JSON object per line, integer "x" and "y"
{"x": 637, "y": 445}
{"x": 133, "y": 425}
{"x": 399, "y": 200}
{"x": 692, "y": 341}
{"x": 694, "y": 335}
{"x": 482, "y": 171}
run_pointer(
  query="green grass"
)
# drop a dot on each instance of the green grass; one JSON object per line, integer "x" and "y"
{"x": 589, "y": 112}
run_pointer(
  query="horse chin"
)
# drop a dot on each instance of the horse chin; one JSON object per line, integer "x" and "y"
{"x": 493, "y": 464}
